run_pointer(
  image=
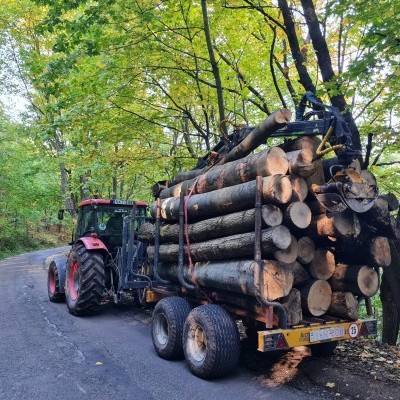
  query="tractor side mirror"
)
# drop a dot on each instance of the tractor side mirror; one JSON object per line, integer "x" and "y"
{"x": 60, "y": 214}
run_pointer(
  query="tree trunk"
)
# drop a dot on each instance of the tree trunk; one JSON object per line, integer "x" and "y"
{"x": 276, "y": 189}
{"x": 226, "y": 225}
{"x": 235, "y": 246}
{"x": 360, "y": 280}
{"x": 390, "y": 297}
{"x": 235, "y": 276}
{"x": 316, "y": 297}
{"x": 270, "y": 162}
{"x": 344, "y": 305}
{"x": 325, "y": 65}
{"x": 322, "y": 265}
{"x": 257, "y": 136}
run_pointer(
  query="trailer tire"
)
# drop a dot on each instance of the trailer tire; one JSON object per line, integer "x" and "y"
{"x": 211, "y": 342}
{"x": 169, "y": 317}
{"x": 85, "y": 280}
{"x": 54, "y": 285}
{"x": 323, "y": 349}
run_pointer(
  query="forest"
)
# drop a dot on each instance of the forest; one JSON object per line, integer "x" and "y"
{"x": 104, "y": 98}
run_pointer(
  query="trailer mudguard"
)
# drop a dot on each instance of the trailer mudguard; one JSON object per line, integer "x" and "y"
{"x": 92, "y": 243}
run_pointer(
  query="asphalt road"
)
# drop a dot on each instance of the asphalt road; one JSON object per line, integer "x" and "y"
{"x": 46, "y": 353}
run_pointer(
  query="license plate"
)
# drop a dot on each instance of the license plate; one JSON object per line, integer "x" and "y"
{"x": 327, "y": 333}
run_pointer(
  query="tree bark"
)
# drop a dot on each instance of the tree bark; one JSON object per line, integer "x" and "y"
{"x": 212, "y": 228}
{"x": 344, "y": 305}
{"x": 316, "y": 296}
{"x": 270, "y": 162}
{"x": 235, "y": 246}
{"x": 235, "y": 276}
{"x": 360, "y": 280}
{"x": 276, "y": 190}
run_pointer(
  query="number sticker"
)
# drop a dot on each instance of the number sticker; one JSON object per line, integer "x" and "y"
{"x": 102, "y": 226}
{"x": 353, "y": 330}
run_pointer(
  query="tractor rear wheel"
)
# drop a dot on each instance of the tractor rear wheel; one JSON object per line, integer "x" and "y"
{"x": 169, "y": 317}
{"x": 85, "y": 280}
{"x": 211, "y": 342}
{"x": 54, "y": 285}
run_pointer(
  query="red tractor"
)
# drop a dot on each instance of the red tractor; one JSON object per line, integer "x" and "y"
{"x": 106, "y": 261}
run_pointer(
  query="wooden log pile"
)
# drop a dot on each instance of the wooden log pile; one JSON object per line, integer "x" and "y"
{"x": 313, "y": 262}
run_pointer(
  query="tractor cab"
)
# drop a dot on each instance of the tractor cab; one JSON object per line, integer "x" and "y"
{"x": 104, "y": 219}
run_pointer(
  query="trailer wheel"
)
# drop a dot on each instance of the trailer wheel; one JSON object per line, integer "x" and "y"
{"x": 85, "y": 280}
{"x": 54, "y": 285}
{"x": 211, "y": 342}
{"x": 169, "y": 317}
{"x": 323, "y": 349}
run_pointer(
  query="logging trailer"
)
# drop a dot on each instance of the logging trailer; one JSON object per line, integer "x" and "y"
{"x": 198, "y": 297}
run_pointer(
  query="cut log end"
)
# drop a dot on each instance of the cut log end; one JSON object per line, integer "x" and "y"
{"x": 283, "y": 116}
{"x": 277, "y": 189}
{"x": 277, "y": 280}
{"x": 306, "y": 250}
{"x": 297, "y": 215}
{"x": 289, "y": 254}
{"x": 344, "y": 305}
{"x": 316, "y": 297}
{"x": 323, "y": 264}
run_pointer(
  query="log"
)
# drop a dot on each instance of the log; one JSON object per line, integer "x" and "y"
{"x": 276, "y": 190}
{"x": 292, "y": 304}
{"x": 186, "y": 175}
{"x": 297, "y": 215}
{"x": 235, "y": 246}
{"x": 316, "y": 207}
{"x": 374, "y": 251}
{"x": 318, "y": 177}
{"x": 344, "y": 305}
{"x": 225, "y": 225}
{"x": 322, "y": 265}
{"x": 270, "y": 162}
{"x": 300, "y": 275}
{"x": 378, "y": 219}
{"x": 299, "y": 188}
{"x": 368, "y": 177}
{"x": 338, "y": 225}
{"x": 235, "y": 276}
{"x": 306, "y": 250}
{"x": 301, "y": 163}
{"x": 316, "y": 296}
{"x": 360, "y": 280}
{"x": 288, "y": 255}
{"x": 258, "y": 136}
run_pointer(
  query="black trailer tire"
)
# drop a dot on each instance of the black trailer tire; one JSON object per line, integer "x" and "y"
{"x": 169, "y": 317}
{"x": 211, "y": 342}
{"x": 84, "y": 281}
{"x": 323, "y": 349}
{"x": 54, "y": 285}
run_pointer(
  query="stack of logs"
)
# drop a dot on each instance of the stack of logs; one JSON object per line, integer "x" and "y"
{"x": 313, "y": 262}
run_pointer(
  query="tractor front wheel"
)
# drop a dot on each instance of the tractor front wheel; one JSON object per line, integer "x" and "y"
{"x": 85, "y": 280}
